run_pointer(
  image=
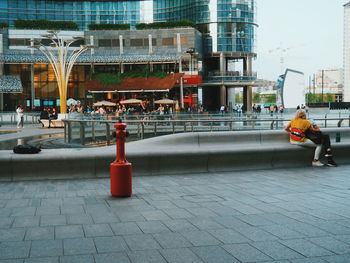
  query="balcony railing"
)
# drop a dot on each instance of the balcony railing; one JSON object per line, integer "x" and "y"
{"x": 228, "y": 76}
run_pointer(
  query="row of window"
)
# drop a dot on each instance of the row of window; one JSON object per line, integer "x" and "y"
{"x": 138, "y": 42}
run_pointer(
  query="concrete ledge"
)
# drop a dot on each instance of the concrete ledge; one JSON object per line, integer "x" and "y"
{"x": 174, "y": 154}
{"x": 53, "y": 124}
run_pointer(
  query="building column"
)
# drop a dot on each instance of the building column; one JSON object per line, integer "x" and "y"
{"x": 222, "y": 64}
{"x": 182, "y": 105}
{"x": 1, "y": 73}
{"x": 32, "y": 88}
{"x": 231, "y": 98}
{"x": 247, "y": 90}
{"x": 1, "y": 94}
{"x": 223, "y": 95}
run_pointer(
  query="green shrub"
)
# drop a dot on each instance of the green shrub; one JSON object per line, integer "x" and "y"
{"x": 4, "y": 25}
{"x": 46, "y": 24}
{"x": 158, "y": 25}
{"x": 109, "y": 27}
{"x": 111, "y": 79}
{"x": 107, "y": 79}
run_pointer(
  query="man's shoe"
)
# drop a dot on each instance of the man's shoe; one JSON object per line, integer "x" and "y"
{"x": 317, "y": 164}
{"x": 328, "y": 154}
{"x": 332, "y": 163}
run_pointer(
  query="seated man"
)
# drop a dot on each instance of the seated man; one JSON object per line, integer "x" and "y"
{"x": 53, "y": 116}
{"x": 301, "y": 129}
{"x": 44, "y": 114}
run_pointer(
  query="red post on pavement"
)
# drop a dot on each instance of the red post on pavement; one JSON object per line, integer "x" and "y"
{"x": 121, "y": 169}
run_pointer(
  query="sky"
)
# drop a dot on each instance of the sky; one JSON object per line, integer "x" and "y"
{"x": 310, "y": 32}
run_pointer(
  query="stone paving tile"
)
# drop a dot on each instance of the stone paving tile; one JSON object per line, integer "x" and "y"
{"x": 307, "y": 230}
{"x": 213, "y": 254}
{"x": 42, "y": 260}
{"x": 112, "y": 258}
{"x": 105, "y": 217}
{"x": 53, "y": 220}
{"x": 77, "y": 259}
{"x": 204, "y": 223}
{"x": 201, "y": 212}
{"x": 23, "y": 211}
{"x": 11, "y": 234}
{"x": 306, "y": 248}
{"x": 40, "y": 233}
{"x": 171, "y": 240}
{"x": 98, "y": 230}
{"x": 70, "y": 231}
{"x": 6, "y": 222}
{"x": 309, "y": 260}
{"x": 155, "y": 215}
{"x": 78, "y": 246}
{"x": 48, "y": 210}
{"x": 334, "y": 228}
{"x": 179, "y": 225}
{"x": 26, "y": 221}
{"x": 331, "y": 244}
{"x": 4, "y": 212}
{"x": 256, "y": 234}
{"x": 78, "y": 219}
{"x": 177, "y": 213}
{"x": 255, "y": 220}
{"x": 246, "y": 253}
{"x": 14, "y": 250}
{"x": 153, "y": 227}
{"x": 130, "y": 217}
{"x": 282, "y": 231}
{"x": 146, "y": 256}
{"x": 72, "y": 209}
{"x": 276, "y": 250}
{"x": 46, "y": 248}
{"x": 128, "y": 228}
{"x": 228, "y": 236}
{"x": 141, "y": 242}
{"x": 110, "y": 244}
{"x": 337, "y": 259}
{"x": 200, "y": 238}
{"x": 180, "y": 255}
{"x": 17, "y": 203}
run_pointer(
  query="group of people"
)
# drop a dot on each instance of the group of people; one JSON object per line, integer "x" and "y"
{"x": 49, "y": 114}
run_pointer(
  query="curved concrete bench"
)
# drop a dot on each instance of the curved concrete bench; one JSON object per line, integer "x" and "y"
{"x": 175, "y": 154}
{"x": 53, "y": 124}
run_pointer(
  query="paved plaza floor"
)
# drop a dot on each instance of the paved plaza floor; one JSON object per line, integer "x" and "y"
{"x": 280, "y": 216}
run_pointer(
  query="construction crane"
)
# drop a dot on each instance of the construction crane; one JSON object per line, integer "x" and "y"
{"x": 282, "y": 51}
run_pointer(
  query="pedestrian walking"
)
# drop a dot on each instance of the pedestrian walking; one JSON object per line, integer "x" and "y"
{"x": 20, "y": 116}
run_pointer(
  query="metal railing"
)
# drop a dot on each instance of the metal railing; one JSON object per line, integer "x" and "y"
{"x": 11, "y": 118}
{"x": 89, "y": 131}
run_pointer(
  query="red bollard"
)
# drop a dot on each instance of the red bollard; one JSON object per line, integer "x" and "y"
{"x": 121, "y": 169}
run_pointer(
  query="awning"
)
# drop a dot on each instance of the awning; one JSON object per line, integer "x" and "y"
{"x": 10, "y": 84}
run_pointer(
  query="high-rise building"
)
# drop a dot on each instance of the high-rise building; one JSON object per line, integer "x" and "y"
{"x": 221, "y": 48}
{"x": 346, "y": 53}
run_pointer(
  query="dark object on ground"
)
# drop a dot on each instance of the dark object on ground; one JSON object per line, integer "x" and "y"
{"x": 26, "y": 149}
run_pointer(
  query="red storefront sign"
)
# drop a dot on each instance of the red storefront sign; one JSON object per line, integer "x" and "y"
{"x": 191, "y": 80}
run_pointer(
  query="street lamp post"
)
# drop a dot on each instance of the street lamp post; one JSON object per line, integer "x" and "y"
{"x": 61, "y": 60}
{"x": 190, "y": 51}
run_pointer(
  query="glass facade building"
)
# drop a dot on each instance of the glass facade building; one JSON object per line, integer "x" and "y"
{"x": 222, "y": 54}
{"x": 226, "y": 25}
{"x": 81, "y": 12}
